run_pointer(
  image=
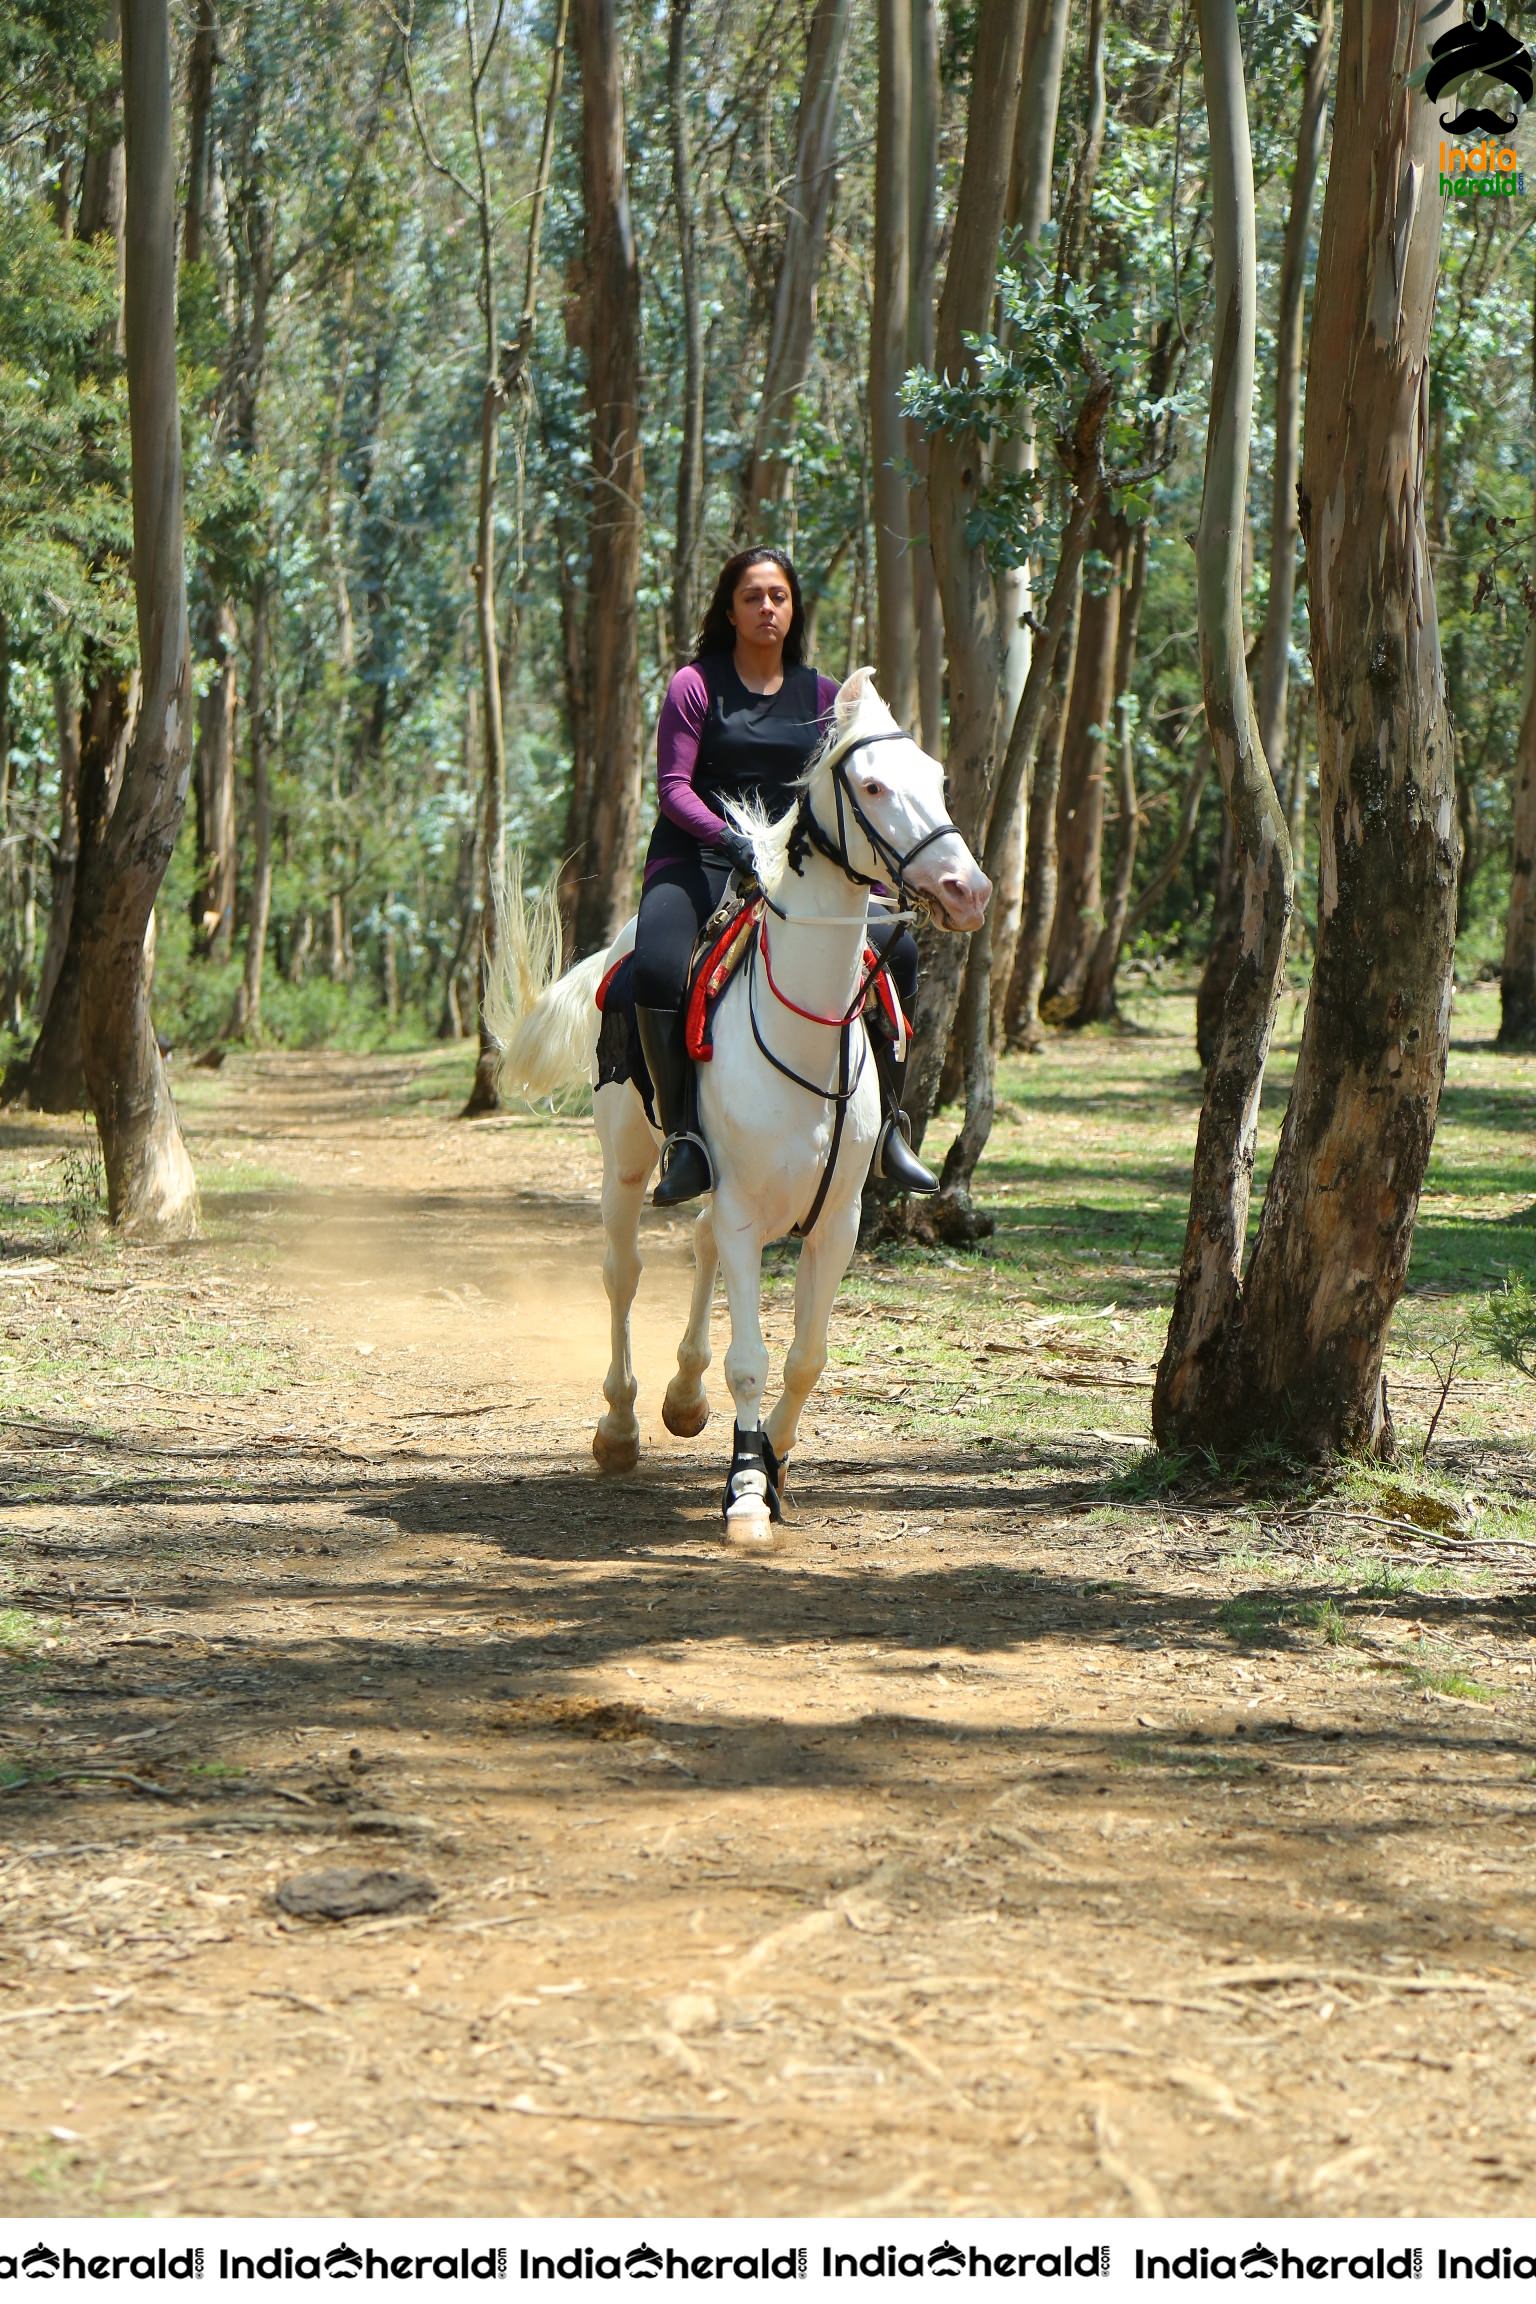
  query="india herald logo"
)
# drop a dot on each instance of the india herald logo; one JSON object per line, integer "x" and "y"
{"x": 1478, "y": 58}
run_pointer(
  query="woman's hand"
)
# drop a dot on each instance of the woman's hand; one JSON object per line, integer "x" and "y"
{"x": 740, "y": 850}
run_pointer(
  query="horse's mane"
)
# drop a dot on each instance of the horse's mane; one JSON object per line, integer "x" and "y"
{"x": 770, "y": 836}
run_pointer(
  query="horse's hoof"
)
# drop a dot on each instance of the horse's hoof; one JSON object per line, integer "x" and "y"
{"x": 749, "y": 1527}
{"x": 687, "y": 1419}
{"x": 615, "y": 1455}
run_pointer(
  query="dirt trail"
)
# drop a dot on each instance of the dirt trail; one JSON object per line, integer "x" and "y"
{"x": 961, "y": 1860}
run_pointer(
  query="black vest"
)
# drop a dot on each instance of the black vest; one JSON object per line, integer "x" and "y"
{"x": 754, "y": 747}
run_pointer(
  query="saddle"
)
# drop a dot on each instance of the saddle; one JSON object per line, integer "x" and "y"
{"x": 724, "y": 943}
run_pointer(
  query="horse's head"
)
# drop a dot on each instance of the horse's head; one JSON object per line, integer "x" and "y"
{"x": 880, "y": 794}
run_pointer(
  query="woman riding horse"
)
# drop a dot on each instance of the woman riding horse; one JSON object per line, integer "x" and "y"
{"x": 740, "y": 722}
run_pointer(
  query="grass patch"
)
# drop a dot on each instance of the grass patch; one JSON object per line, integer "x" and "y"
{"x": 21, "y": 1632}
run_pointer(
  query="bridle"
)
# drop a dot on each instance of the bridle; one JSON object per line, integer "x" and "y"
{"x": 809, "y": 832}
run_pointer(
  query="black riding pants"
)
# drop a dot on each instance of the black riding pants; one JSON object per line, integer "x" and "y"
{"x": 680, "y": 896}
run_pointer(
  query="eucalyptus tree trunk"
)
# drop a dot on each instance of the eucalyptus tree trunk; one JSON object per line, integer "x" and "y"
{"x": 957, "y": 473}
{"x": 1275, "y": 641}
{"x": 212, "y": 903}
{"x": 600, "y": 869}
{"x": 246, "y": 1023}
{"x": 483, "y": 1096}
{"x": 202, "y": 63}
{"x": 690, "y": 455}
{"x": 1042, "y": 866}
{"x": 503, "y": 376}
{"x": 1517, "y": 976}
{"x": 1021, "y": 1007}
{"x": 151, "y": 1190}
{"x": 66, "y": 854}
{"x": 979, "y": 1038}
{"x": 1333, "y": 1247}
{"x": 889, "y": 357}
{"x": 1029, "y": 209}
{"x": 1080, "y": 800}
{"x": 1190, "y": 1403}
{"x": 1099, "y": 1002}
{"x": 808, "y": 202}
{"x": 52, "y": 1078}
{"x": 923, "y": 244}
{"x": 213, "y": 897}
{"x": 1225, "y": 943}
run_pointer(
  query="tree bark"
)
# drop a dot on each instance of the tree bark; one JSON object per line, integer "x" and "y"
{"x": 213, "y": 898}
{"x": 1517, "y": 976}
{"x": 600, "y": 868}
{"x": 979, "y": 1038}
{"x": 1080, "y": 803}
{"x": 957, "y": 471}
{"x": 1275, "y": 643}
{"x": 1029, "y": 210}
{"x": 246, "y": 1023}
{"x": 202, "y": 61}
{"x": 1021, "y": 1011}
{"x": 151, "y": 1190}
{"x": 690, "y": 455}
{"x": 890, "y": 333}
{"x": 1099, "y": 1002}
{"x": 1338, "y": 1221}
{"x": 66, "y": 854}
{"x": 923, "y": 238}
{"x": 53, "y": 1079}
{"x": 1191, "y": 1401}
{"x": 809, "y": 207}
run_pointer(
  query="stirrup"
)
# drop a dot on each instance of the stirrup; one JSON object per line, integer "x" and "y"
{"x": 678, "y": 1169}
{"x": 895, "y": 1161}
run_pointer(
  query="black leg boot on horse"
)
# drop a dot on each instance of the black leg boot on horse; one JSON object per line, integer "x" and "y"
{"x": 895, "y": 1162}
{"x": 685, "y": 1167}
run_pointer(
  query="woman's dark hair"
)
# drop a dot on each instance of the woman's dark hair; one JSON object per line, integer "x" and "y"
{"x": 717, "y": 634}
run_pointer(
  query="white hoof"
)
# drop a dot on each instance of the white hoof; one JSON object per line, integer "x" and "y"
{"x": 687, "y": 1418}
{"x": 615, "y": 1451}
{"x": 749, "y": 1527}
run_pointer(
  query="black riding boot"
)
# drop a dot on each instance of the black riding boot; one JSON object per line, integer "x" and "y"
{"x": 685, "y": 1169}
{"x": 895, "y": 1161}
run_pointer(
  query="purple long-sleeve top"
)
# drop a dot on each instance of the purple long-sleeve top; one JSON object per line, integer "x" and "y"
{"x": 678, "y": 735}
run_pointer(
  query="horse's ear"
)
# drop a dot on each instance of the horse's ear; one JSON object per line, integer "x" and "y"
{"x": 857, "y": 689}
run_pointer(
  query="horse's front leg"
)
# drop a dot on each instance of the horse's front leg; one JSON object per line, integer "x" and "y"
{"x": 748, "y": 1521}
{"x": 685, "y": 1410}
{"x": 823, "y": 1261}
{"x": 629, "y": 1155}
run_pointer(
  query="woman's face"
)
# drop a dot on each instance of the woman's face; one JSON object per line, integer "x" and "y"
{"x": 762, "y": 609}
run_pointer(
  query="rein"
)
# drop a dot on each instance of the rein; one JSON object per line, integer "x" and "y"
{"x": 835, "y": 1023}
{"x": 809, "y": 832}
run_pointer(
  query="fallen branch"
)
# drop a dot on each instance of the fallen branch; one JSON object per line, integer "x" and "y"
{"x": 1234, "y": 1979}
{"x": 78, "y": 1775}
{"x": 531, "y": 2111}
{"x": 102, "y": 2007}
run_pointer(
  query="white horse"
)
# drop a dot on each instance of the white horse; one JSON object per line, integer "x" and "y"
{"x": 791, "y": 1059}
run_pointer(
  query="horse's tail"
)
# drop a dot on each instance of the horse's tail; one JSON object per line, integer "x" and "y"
{"x": 544, "y": 1024}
